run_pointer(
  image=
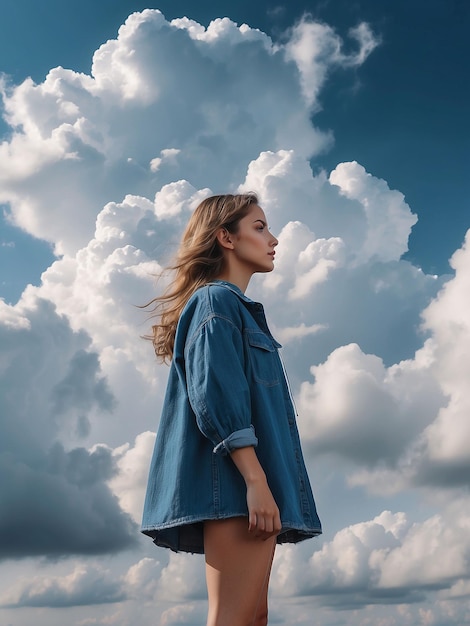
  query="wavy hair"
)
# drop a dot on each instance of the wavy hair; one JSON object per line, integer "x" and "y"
{"x": 199, "y": 260}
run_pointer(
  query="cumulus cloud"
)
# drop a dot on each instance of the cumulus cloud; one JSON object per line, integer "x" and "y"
{"x": 447, "y": 320}
{"x": 195, "y": 116}
{"x": 312, "y": 264}
{"x": 141, "y": 578}
{"x": 360, "y": 409}
{"x": 341, "y": 253}
{"x": 166, "y": 156}
{"x": 187, "y": 571}
{"x": 130, "y": 481}
{"x": 389, "y": 219}
{"x": 388, "y": 559}
{"x": 405, "y": 424}
{"x": 374, "y": 221}
{"x": 84, "y": 586}
{"x": 182, "y": 614}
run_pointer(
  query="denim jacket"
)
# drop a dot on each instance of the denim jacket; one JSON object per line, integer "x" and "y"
{"x": 226, "y": 390}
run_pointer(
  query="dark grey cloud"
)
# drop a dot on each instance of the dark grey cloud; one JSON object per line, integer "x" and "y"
{"x": 45, "y": 512}
{"x": 81, "y": 387}
{"x": 54, "y": 501}
{"x": 350, "y": 601}
{"x": 449, "y": 473}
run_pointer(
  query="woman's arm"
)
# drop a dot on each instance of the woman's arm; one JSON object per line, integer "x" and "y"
{"x": 264, "y": 519}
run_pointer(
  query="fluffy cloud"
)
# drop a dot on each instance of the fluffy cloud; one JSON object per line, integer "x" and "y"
{"x": 182, "y": 614}
{"x": 84, "y": 586}
{"x": 191, "y": 116}
{"x": 387, "y": 559}
{"x": 388, "y": 217}
{"x": 130, "y": 481}
{"x": 406, "y": 423}
{"x": 373, "y": 221}
{"x": 446, "y": 319}
{"x": 362, "y": 410}
{"x": 341, "y": 252}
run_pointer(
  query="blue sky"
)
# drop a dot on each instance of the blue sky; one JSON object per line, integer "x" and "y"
{"x": 350, "y": 121}
{"x": 403, "y": 115}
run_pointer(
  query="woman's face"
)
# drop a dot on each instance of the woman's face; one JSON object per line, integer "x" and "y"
{"x": 253, "y": 244}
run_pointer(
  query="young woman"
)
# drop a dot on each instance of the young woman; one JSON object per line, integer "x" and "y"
{"x": 227, "y": 477}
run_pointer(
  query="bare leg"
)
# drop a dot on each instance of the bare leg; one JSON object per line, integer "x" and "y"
{"x": 238, "y": 566}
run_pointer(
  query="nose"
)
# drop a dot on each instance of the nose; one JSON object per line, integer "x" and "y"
{"x": 274, "y": 241}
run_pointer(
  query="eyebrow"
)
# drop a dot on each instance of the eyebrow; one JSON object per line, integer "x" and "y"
{"x": 264, "y": 223}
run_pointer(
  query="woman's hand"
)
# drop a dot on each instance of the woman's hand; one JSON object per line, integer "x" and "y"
{"x": 263, "y": 514}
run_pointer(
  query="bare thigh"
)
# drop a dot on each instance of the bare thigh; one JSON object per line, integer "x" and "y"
{"x": 238, "y": 566}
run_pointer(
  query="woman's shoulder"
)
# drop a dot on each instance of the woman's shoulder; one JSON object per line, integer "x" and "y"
{"x": 211, "y": 304}
{"x": 217, "y": 298}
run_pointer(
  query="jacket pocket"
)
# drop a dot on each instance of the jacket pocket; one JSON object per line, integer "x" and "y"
{"x": 263, "y": 357}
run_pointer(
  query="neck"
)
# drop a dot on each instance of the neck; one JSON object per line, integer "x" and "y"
{"x": 236, "y": 278}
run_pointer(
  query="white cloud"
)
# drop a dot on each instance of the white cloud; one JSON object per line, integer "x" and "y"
{"x": 373, "y": 221}
{"x": 80, "y": 141}
{"x": 312, "y": 260}
{"x": 183, "y": 578}
{"x": 291, "y": 333}
{"x": 84, "y": 586}
{"x": 166, "y": 156}
{"x": 130, "y": 483}
{"x": 403, "y": 424}
{"x": 315, "y": 263}
{"x": 431, "y": 555}
{"x": 387, "y": 559}
{"x": 142, "y": 577}
{"x": 176, "y": 198}
{"x": 389, "y": 219}
{"x": 338, "y": 260}
{"x": 182, "y": 614}
{"x": 12, "y": 318}
{"x": 450, "y": 326}
{"x": 364, "y": 411}
{"x": 349, "y": 409}
{"x": 311, "y": 42}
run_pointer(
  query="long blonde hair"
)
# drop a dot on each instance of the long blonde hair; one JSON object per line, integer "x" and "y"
{"x": 198, "y": 261}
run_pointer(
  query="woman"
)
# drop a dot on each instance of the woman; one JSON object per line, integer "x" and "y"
{"x": 227, "y": 477}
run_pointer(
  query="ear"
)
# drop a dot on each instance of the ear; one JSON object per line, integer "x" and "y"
{"x": 225, "y": 239}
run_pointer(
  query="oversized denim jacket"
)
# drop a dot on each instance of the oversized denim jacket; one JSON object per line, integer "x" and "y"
{"x": 226, "y": 390}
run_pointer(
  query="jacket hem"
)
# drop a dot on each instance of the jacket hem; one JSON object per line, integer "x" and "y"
{"x": 186, "y": 534}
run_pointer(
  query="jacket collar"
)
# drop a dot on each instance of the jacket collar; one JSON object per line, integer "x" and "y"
{"x": 232, "y": 287}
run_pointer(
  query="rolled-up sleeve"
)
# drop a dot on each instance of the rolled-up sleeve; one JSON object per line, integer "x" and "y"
{"x": 238, "y": 439}
{"x": 217, "y": 386}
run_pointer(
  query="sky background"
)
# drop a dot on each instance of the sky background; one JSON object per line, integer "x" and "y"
{"x": 350, "y": 119}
